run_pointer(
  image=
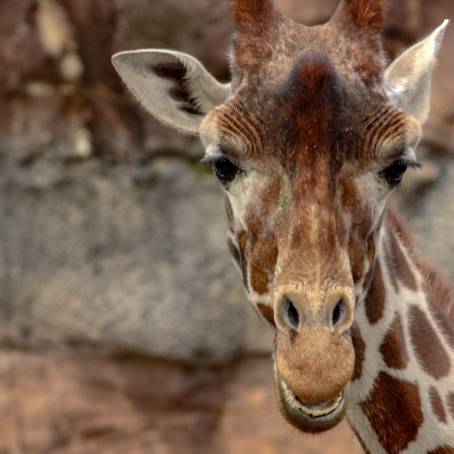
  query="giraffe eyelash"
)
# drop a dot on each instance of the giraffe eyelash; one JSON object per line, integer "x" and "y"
{"x": 411, "y": 163}
{"x": 210, "y": 160}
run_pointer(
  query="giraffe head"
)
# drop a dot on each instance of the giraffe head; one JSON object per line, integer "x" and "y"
{"x": 309, "y": 139}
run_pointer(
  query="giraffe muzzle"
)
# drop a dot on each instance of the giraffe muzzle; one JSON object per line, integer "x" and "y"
{"x": 306, "y": 416}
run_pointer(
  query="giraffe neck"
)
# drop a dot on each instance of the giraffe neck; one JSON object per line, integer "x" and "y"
{"x": 402, "y": 392}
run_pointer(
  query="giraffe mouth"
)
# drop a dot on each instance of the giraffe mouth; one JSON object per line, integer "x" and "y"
{"x": 321, "y": 409}
{"x": 310, "y": 417}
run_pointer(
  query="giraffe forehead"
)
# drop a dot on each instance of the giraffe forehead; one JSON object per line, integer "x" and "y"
{"x": 265, "y": 126}
{"x": 315, "y": 108}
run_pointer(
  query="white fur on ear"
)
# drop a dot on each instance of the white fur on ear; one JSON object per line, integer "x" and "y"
{"x": 174, "y": 87}
{"x": 408, "y": 79}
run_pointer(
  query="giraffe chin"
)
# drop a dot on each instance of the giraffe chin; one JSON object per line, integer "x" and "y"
{"x": 309, "y": 417}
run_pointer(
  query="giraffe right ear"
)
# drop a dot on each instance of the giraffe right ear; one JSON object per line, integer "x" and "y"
{"x": 174, "y": 87}
{"x": 408, "y": 79}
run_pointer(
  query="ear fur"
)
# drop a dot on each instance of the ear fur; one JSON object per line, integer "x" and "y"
{"x": 408, "y": 79}
{"x": 174, "y": 87}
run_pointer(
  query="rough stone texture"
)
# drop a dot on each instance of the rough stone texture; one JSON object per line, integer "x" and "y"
{"x": 111, "y": 236}
{"x": 44, "y": 41}
{"x": 93, "y": 405}
{"x": 123, "y": 260}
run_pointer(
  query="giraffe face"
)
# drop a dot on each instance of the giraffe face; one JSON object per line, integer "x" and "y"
{"x": 308, "y": 140}
{"x": 306, "y": 183}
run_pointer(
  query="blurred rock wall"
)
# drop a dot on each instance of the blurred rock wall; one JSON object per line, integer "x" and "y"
{"x": 111, "y": 235}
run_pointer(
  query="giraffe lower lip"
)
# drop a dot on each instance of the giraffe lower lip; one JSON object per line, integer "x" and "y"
{"x": 321, "y": 409}
{"x": 308, "y": 416}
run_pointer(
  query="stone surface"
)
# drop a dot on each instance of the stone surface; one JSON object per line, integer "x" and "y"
{"x": 111, "y": 236}
{"x": 93, "y": 405}
{"x": 122, "y": 258}
{"x": 65, "y": 46}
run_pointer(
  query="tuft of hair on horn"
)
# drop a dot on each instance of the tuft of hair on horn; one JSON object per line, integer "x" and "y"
{"x": 364, "y": 14}
{"x": 251, "y": 15}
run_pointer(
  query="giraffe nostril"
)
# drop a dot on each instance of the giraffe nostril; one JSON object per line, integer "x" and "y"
{"x": 292, "y": 315}
{"x": 338, "y": 313}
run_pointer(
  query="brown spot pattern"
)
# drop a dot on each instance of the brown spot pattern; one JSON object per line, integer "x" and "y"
{"x": 437, "y": 405}
{"x": 360, "y": 347}
{"x": 391, "y": 397}
{"x": 259, "y": 279}
{"x": 267, "y": 312}
{"x": 393, "y": 347}
{"x": 375, "y": 299}
{"x": 451, "y": 403}
{"x": 400, "y": 266}
{"x": 429, "y": 350}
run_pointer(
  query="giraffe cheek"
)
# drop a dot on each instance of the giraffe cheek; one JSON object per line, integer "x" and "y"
{"x": 263, "y": 263}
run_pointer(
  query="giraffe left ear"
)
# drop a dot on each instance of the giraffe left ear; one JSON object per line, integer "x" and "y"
{"x": 174, "y": 87}
{"x": 408, "y": 79}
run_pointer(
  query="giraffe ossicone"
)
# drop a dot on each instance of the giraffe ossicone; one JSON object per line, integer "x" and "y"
{"x": 309, "y": 140}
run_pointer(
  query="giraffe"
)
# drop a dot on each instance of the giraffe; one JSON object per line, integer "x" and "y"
{"x": 309, "y": 140}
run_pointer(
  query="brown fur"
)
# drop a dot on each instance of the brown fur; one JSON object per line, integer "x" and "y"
{"x": 267, "y": 312}
{"x": 360, "y": 347}
{"x": 393, "y": 347}
{"x": 375, "y": 299}
{"x": 367, "y": 13}
{"x": 263, "y": 260}
{"x": 391, "y": 397}
{"x": 429, "y": 350}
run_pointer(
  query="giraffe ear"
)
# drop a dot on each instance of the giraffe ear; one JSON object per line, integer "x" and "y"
{"x": 408, "y": 79}
{"x": 174, "y": 87}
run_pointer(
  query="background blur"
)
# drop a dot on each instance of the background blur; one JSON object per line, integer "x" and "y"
{"x": 123, "y": 325}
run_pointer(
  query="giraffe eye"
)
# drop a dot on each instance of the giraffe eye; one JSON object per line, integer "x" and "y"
{"x": 226, "y": 170}
{"x": 394, "y": 173}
